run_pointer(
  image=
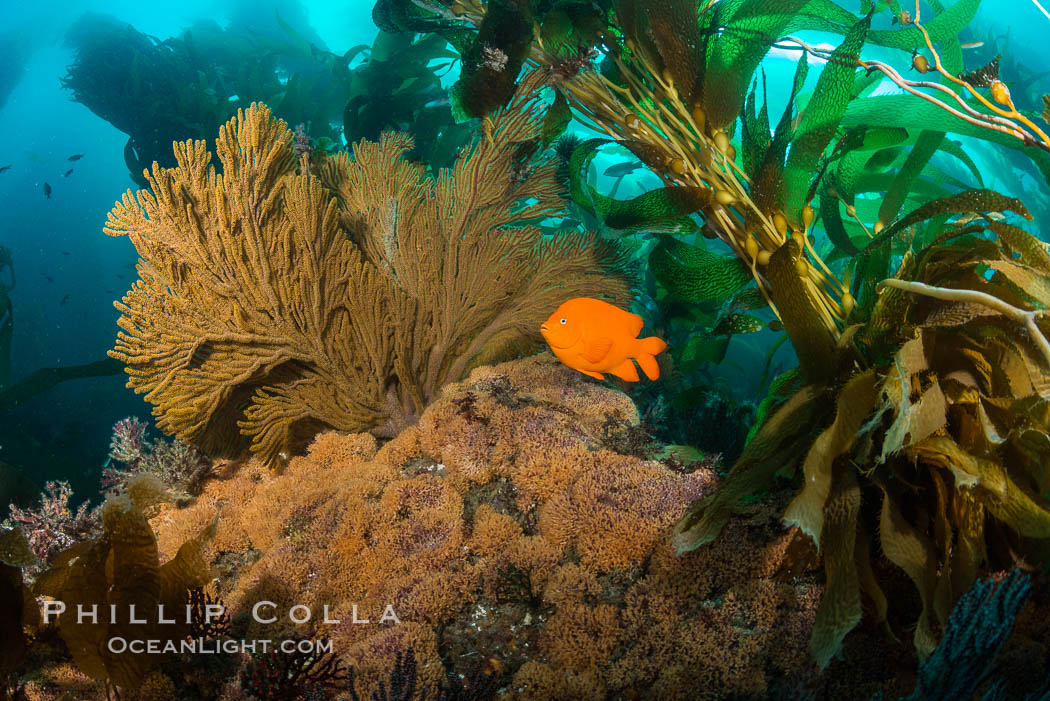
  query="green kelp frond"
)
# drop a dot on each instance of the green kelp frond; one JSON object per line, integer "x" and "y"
{"x": 695, "y": 273}
{"x": 399, "y": 87}
{"x": 643, "y": 212}
{"x": 873, "y": 262}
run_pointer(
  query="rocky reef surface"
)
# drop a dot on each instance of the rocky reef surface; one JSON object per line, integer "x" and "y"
{"x": 519, "y": 532}
{"x": 512, "y": 540}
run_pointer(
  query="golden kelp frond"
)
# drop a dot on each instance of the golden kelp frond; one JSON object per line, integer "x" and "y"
{"x": 119, "y": 575}
{"x": 275, "y": 303}
{"x": 14, "y": 549}
{"x": 957, "y": 443}
{"x": 952, "y": 431}
{"x": 17, "y": 609}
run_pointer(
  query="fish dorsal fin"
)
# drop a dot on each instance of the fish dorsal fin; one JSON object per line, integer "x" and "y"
{"x": 595, "y": 349}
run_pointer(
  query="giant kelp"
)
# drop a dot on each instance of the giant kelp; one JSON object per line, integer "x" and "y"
{"x": 184, "y": 87}
{"x": 672, "y": 89}
{"x": 17, "y": 608}
{"x": 917, "y": 411}
{"x": 119, "y": 572}
{"x": 16, "y": 46}
{"x": 274, "y": 302}
{"x": 947, "y": 426}
{"x": 398, "y": 87}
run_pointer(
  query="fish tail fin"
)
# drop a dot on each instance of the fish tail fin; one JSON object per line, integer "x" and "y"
{"x": 653, "y": 345}
{"x": 646, "y": 360}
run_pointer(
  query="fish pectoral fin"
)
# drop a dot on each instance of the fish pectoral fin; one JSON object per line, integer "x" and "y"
{"x": 626, "y": 371}
{"x": 595, "y": 350}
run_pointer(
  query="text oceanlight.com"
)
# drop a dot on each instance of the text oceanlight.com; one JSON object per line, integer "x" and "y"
{"x": 201, "y": 646}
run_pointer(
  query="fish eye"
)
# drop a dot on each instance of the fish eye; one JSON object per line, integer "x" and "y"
{"x": 564, "y": 321}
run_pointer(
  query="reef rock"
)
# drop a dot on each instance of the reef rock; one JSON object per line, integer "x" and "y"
{"x": 516, "y": 548}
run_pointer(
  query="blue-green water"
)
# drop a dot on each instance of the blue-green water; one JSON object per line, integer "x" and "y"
{"x": 68, "y": 273}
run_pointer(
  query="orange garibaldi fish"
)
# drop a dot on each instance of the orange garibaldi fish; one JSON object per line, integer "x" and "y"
{"x": 593, "y": 337}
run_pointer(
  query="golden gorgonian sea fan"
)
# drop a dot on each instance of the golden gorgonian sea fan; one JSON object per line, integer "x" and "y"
{"x": 274, "y": 302}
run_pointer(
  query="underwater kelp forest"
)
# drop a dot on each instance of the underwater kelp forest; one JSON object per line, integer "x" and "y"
{"x": 536, "y": 349}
